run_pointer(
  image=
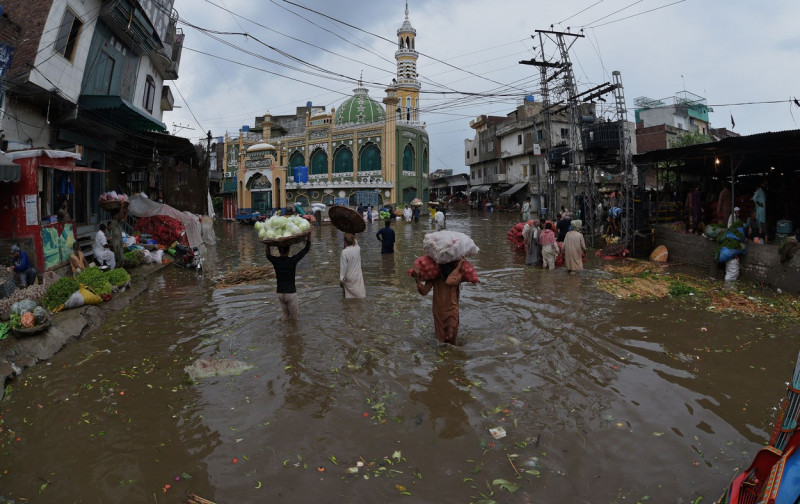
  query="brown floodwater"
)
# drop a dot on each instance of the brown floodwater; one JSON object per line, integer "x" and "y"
{"x": 602, "y": 400}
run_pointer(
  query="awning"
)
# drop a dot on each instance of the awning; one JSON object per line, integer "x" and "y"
{"x": 483, "y": 188}
{"x": 116, "y": 110}
{"x": 74, "y": 168}
{"x": 9, "y": 170}
{"x": 514, "y": 189}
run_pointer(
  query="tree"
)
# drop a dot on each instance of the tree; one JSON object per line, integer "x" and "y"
{"x": 690, "y": 138}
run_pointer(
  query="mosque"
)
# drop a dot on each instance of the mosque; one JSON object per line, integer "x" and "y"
{"x": 361, "y": 152}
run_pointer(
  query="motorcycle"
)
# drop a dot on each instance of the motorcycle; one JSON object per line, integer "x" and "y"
{"x": 188, "y": 257}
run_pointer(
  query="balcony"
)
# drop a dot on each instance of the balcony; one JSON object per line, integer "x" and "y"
{"x": 167, "y": 100}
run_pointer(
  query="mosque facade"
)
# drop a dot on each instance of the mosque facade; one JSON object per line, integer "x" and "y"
{"x": 361, "y": 152}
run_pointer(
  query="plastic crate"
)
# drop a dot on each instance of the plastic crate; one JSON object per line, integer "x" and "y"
{"x": 7, "y": 288}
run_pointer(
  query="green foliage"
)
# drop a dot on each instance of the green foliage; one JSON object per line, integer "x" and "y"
{"x": 132, "y": 259}
{"x": 680, "y": 289}
{"x": 117, "y": 277}
{"x": 16, "y": 321}
{"x": 95, "y": 279}
{"x": 690, "y": 138}
{"x": 58, "y": 293}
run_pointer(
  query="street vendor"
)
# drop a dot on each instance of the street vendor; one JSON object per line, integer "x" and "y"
{"x": 77, "y": 260}
{"x": 22, "y": 267}
{"x": 102, "y": 250}
{"x": 445, "y": 300}
{"x": 115, "y": 231}
{"x": 285, "y": 270}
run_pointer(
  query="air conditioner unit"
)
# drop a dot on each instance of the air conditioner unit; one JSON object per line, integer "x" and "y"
{"x": 228, "y": 174}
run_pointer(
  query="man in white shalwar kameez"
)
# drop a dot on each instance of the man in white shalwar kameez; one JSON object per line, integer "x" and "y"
{"x": 350, "y": 276}
{"x": 102, "y": 254}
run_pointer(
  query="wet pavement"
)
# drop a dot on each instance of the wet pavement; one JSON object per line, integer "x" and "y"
{"x": 601, "y": 400}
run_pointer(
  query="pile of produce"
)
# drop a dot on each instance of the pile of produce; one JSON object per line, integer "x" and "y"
{"x": 429, "y": 270}
{"x": 132, "y": 259}
{"x": 731, "y": 244}
{"x": 34, "y": 292}
{"x": 26, "y": 314}
{"x": 163, "y": 229}
{"x": 117, "y": 277}
{"x": 95, "y": 280}
{"x": 281, "y": 227}
{"x": 448, "y": 246}
{"x": 112, "y": 196}
{"x": 58, "y": 293}
{"x": 515, "y": 235}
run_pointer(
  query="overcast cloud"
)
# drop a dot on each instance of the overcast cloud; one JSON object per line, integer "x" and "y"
{"x": 730, "y": 52}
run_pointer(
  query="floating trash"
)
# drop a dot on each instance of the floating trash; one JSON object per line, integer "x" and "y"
{"x": 206, "y": 368}
{"x": 498, "y": 432}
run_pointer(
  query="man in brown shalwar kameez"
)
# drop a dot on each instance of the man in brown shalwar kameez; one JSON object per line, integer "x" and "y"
{"x": 445, "y": 300}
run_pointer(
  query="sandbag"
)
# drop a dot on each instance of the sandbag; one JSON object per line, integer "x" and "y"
{"x": 448, "y": 246}
{"x": 89, "y": 297}
{"x": 659, "y": 254}
{"x": 725, "y": 254}
{"x": 74, "y": 301}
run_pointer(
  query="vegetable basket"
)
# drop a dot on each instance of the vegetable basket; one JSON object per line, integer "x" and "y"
{"x": 112, "y": 205}
{"x": 288, "y": 240}
{"x": 346, "y": 219}
{"x": 29, "y": 331}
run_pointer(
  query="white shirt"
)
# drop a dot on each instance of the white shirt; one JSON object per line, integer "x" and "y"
{"x": 100, "y": 240}
{"x": 350, "y": 272}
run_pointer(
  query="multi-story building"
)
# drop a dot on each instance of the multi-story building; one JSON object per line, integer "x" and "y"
{"x": 660, "y": 122}
{"x": 88, "y": 79}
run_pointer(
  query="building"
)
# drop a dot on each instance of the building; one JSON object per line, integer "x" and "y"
{"x": 364, "y": 151}
{"x": 86, "y": 83}
{"x": 660, "y": 122}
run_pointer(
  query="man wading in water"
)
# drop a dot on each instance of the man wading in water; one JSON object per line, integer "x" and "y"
{"x": 285, "y": 269}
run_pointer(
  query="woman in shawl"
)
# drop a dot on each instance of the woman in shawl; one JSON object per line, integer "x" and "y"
{"x": 350, "y": 277}
{"x": 445, "y": 300}
{"x": 530, "y": 235}
{"x": 547, "y": 241}
{"x": 574, "y": 247}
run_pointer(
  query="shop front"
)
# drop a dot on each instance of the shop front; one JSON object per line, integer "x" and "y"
{"x": 42, "y": 206}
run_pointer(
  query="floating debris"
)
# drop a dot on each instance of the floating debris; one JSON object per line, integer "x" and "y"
{"x": 246, "y": 276}
{"x": 206, "y": 368}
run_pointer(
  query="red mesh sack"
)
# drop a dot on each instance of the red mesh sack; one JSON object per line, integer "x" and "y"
{"x": 468, "y": 273}
{"x": 428, "y": 269}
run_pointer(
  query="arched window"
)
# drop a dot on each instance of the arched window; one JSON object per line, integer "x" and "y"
{"x": 297, "y": 159}
{"x": 425, "y": 161}
{"x": 319, "y": 162}
{"x": 408, "y": 159}
{"x": 369, "y": 159}
{"x": 328, "y": 199}
{"x": 408, "y": 43}
{"x": 343, "y": 160}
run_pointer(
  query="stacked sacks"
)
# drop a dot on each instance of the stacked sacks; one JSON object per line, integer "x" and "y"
{"x": 444, "y": 247}
{"x": 515, "y": 236}
{"x": 731, "y": 244}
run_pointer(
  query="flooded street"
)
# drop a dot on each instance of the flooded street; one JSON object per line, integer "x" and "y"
{"x": 602, "y": 400}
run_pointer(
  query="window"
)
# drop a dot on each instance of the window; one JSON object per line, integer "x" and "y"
{"x": 519, "y": 139}
{"x": 539, "y": 135}
{"x": 149, "y": 93}
{"x": 474, "y": 151}
{"x": 473, "y": 175}
{"x": 100, "y": 79}
{"x": 467, "y": 154}
{"x": 564, "y": 132}
{"x": 68, "y": 35}
{"x": 525, "y": 171}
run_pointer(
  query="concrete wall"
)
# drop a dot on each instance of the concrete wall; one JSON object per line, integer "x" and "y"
{"x": 760, "y": 264}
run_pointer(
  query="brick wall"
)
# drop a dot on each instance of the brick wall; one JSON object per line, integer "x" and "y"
{"x": 31, "y": 16}
{"x": 760, "y": 264}
{"x": 651, "y": 138}
{"x": 9, "y": 32}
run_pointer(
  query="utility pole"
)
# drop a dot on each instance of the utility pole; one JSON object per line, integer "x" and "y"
{"x": 208, "y": 173}
{"x": 626, "y": 162}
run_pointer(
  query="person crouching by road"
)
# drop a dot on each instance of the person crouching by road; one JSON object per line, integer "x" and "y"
{"x": 285, "y": 270}
{"x": 445, "y": 300}
{"x": 350, "y": 277}
{"x": 22, "y": 267}
{"x": 77, "y": 260}
{"x": 102, "y": 250}
{"x": 386, "y": 237}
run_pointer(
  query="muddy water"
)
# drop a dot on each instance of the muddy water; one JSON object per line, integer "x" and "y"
{"x": 602, "y": 400}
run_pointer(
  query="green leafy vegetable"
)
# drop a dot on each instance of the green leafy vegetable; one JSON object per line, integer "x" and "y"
{"x": 117, "y": 277}
{"x": 58, "y": 293}
{"x": 94, "y": 279}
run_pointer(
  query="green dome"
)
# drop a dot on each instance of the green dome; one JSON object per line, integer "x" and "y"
{"x": 359, "y": 109}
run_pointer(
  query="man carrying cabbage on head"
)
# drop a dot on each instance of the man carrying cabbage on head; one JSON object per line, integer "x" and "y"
{"x": 285, "y": 269}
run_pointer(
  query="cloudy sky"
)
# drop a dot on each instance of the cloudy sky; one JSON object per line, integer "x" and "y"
{"x": 742, "y": 56}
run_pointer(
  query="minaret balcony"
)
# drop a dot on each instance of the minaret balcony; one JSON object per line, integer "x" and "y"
{"x": 406, "y": 52}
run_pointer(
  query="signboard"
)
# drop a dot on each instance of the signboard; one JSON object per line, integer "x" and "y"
{"x": 367, "y": 198}
{"x": 31, "y": 212}
{"x": 537, "y": 150}
{"x": 232, "y": 154}
{"x": 341, "y": 201}
{"x": 264, "y": 162}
